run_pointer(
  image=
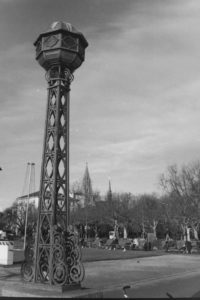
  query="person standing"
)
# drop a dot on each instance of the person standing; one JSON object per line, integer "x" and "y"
{"x": 188, "y": 242}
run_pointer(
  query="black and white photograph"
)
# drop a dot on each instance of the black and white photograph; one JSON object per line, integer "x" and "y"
{"x": 100, "y": 149}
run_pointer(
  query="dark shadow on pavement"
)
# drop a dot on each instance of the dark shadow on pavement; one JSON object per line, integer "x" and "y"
{"x": 196, "y": 295}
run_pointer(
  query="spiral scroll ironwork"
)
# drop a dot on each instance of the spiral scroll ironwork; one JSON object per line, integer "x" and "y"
{"x": 54, "y": 74}
{"x": 27, "y": 267}
{"x": 66, "y": 260}
{"x": 73, "y": 253}
{"x": 67, "y": 267}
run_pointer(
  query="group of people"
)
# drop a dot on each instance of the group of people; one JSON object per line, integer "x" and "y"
{"x": 186, "y": 248}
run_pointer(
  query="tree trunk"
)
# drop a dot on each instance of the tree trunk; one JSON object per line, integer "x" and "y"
{"x": 188, "y": 233}
{"x": 195, "y": 230}
{"x": 125, "y": 233}
{"x": 184, "y": 235}
{"x": 155, "y": 223}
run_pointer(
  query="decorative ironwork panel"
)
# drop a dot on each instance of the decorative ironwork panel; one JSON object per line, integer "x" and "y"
{"x": 50, "y": 41}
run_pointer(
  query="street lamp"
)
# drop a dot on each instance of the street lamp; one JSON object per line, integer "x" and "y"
{"x": 60, "y": 51}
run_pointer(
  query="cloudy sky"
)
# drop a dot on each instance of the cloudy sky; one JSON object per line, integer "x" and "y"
{"x": 135, "y": 102}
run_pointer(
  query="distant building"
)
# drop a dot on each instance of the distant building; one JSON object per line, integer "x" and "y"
{"x": 76, "y": 200}
{"x": 33, "y": 198}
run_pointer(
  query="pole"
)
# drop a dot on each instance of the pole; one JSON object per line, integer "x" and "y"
{"x": 27, "y": 206}
{"x": 86, "y": 223}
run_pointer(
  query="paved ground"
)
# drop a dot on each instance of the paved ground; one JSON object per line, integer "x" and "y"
{"x": 137, "y": 271}
{"x": 147, "y": 276}
{"x": 184, "y": 285}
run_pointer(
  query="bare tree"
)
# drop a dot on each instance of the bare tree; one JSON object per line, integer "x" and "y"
{"x": 183, "y": 188}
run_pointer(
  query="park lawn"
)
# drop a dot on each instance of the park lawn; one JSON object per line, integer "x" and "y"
{"x": 96, "y": 254}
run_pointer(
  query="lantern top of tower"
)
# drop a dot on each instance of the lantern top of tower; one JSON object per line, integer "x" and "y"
{"x": 62, "y": 44}
{"x": 60, "y": 26}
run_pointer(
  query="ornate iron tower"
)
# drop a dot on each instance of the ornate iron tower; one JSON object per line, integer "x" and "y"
{"x": 55, "y": 258}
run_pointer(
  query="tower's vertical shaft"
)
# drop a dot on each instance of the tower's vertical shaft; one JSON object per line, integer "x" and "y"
{"x": 54, "y": 189}
{"x": 57, "y": 258}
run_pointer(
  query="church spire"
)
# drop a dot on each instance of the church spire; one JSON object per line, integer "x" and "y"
{"x": 109, "y": 198}
{"x": 87, "y": 186}
{"x": 109, "y": 193}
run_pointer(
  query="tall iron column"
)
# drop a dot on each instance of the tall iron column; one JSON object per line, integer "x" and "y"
{"x": 56, "y": 258}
